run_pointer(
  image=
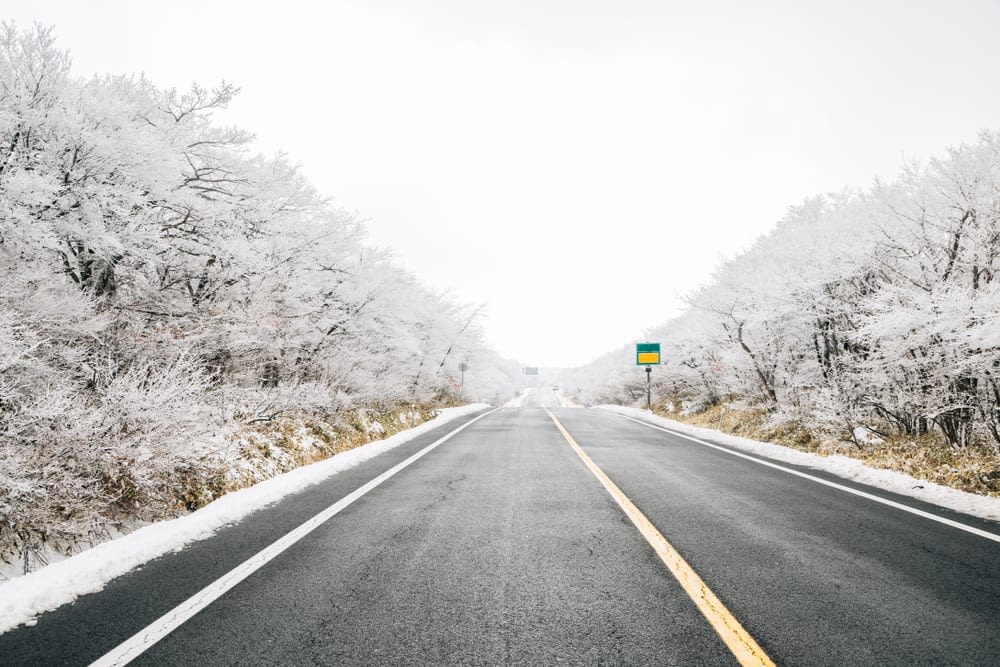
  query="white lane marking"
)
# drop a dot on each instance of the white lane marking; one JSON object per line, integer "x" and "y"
{"x": 135, "y": 645}
{"x": 870, "y": 496}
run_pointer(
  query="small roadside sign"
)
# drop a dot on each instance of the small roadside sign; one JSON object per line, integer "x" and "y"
{"x": 531, "y": 371}
{"x": 647, "y": 354}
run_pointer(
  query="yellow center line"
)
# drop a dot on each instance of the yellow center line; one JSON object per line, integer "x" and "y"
{"x": 740, "y": 643}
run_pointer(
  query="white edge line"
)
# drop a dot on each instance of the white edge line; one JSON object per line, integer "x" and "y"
{"x": 138, "y": 643}
{"x": 870, "y": 496}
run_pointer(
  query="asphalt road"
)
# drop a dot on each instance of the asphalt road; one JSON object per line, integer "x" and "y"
{"x": 500, "y": 547}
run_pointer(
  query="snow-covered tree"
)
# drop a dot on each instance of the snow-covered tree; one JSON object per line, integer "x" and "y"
{"x": 876, "y": 310}
{"x": 161, "y": 280}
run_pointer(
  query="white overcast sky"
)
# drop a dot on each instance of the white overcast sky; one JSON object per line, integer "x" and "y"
{"x": 576, "y": 165}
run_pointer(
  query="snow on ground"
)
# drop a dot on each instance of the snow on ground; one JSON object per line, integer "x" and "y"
{"x": 889, "y": 480}
{"x": 564, "y": 400}
{"x": 23, "y": 598}
{"x": 538, "y": 397}
{"x": 517, "y": 401}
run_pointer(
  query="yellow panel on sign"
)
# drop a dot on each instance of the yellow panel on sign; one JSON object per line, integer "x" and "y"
{"x": 649, "y": 357}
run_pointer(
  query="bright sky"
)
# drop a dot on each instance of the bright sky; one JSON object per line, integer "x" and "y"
{"x": 575, "y": 165}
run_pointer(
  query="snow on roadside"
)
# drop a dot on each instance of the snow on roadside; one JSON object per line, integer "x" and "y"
{"x": 889, "y": 480}
{"x": 23, "y": 598}
{"x": 564, "y": 400}
{"x": 558, "y": 394}
{"x": 517, "y": 401}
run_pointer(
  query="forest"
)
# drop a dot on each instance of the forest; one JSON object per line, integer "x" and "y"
{"x": 163, "y": 287}
{"x": 870, "y": 316}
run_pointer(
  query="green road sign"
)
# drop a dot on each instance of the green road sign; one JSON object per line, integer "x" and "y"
{"x": 647, "y": 354}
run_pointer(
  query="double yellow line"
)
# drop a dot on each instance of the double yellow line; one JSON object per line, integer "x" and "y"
{"x": 743, "y": 647}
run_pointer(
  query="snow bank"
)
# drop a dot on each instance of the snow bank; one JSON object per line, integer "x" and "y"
{"x": 23, "y": 598}
{"x": 889, "y": 480}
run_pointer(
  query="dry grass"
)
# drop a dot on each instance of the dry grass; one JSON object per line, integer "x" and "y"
{"x": 267, "y": 449}
{"x": 748, "y": 423}
{"x": 975, "y": 469}
{"x": 251, "y": 454}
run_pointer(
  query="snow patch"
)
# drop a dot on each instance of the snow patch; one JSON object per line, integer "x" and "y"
{"x": 23, "y": 598}
{"x": 371, "y": 427}
{"x": 983, "y": 507}
{"x": 861, "y": 434}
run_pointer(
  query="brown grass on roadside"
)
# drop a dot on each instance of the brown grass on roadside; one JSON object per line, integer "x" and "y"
{"x": 975, "y": 469}
{"x": 267, "y": 449}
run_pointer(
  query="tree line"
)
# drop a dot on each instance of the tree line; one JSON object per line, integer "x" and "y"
{"x": 161, "y": 280}
{"x": 867, "y": 313}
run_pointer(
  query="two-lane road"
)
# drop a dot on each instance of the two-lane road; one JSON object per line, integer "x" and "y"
{"x": 501, "y": 546}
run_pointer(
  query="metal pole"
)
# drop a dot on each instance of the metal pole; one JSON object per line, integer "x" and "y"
{"x": 649, "y": 394}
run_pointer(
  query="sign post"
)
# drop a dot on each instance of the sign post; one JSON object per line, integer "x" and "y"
{"x": 461, "y": 390}
{"x": 648, "y": 355}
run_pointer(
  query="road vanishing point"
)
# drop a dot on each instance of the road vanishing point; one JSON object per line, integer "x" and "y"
{"x": 547, "y": 535}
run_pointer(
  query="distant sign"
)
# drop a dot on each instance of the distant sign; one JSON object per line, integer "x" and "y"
{"x": 647, "y": 354}
{"x": 531, "y": 371}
